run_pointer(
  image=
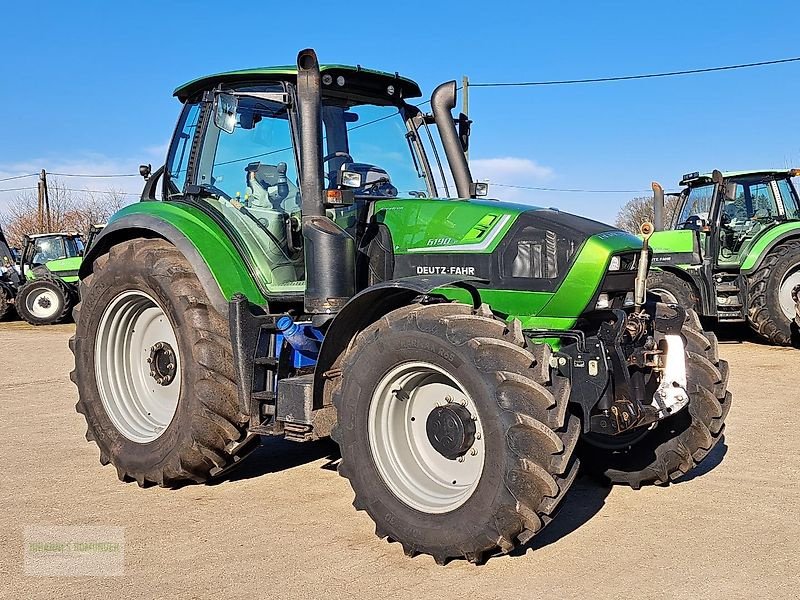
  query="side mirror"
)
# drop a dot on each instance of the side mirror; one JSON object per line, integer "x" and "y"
{"x": 225, "y": 107}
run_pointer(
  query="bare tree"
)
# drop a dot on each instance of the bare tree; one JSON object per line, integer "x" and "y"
{"x": 638, "y": 210}
{"x": 70, "y": 211}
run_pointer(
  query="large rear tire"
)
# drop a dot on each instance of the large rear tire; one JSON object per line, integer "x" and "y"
{"x": 44, "y": 301}
{"x": 771, "y": 308}
{"x": 680, "y": 442}
{"x": 154, "y": 368}
{"x": 420, "y": 361}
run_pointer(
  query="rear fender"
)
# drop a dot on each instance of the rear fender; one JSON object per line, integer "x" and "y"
{"x": 219, "y": 267}
{"x": 768, "y": 241}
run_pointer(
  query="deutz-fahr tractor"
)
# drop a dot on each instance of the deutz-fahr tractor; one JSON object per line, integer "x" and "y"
{"x": 731, "y": 250}
{"x": 50, "y": 262}
{"x": 298, "y": 269}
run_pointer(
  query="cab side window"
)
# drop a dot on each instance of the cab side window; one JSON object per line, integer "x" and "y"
{"x": 178, "y": 158}
{"x": 789, "y": 199}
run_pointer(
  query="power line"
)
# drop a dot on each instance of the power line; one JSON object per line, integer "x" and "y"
{"x": 94, "y": 175}
{"x": 582, "y": 191}
{"x": 19, "y": 176}
{"x": 642, "y": 76}
{"x": 21, "y": 189}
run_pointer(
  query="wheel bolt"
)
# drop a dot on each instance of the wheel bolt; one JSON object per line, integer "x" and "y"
{"x": 149, "y": 360}
{"x": 478, "y": 436}
{"x": 460, "y": 459}
{"x": 448, "y": 398}
{"x": 473, "y": 452}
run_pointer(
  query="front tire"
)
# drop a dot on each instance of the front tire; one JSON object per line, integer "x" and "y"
{"x": 672, "y": 289}
{"x": 44, "y": 301}
{"x": 678, "y": 443}
{"x": 496, "y": 490}
{"x": 154, "y": 368}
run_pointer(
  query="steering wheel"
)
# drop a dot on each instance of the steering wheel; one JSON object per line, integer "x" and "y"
{"x": 338, "y": 154}
{"x": 693, "y": 222}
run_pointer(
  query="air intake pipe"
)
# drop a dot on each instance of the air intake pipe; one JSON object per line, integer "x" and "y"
{"x": 443, "y": 100}
{"x": 658, "y": 206}
{"x": 329, "y": 250}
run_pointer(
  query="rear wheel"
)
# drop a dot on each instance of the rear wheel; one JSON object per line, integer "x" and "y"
{"x": 453, "y": 435}
{"x": 6, "y": 296}
{"x": 154, "y": 368}
{"x": 44, "y": 301}
{"x": 771, "y": 306}
{"x": 678, "y": 443}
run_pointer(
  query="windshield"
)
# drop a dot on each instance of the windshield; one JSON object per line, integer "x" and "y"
{"x": 696, "y": 207}
{"x": 372, "y": 141}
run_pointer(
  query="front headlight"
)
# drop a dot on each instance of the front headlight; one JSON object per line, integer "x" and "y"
{"x": 615, "y": 263}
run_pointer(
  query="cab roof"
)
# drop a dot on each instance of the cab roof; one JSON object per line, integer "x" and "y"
{"x": 407, "y": 87}
{"x": 693, "y": 178}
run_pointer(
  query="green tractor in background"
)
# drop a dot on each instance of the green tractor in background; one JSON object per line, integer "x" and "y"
{"x": 49, "y": 263}
{"x": 731, "y": 250}
{"x": 298, "y": 269}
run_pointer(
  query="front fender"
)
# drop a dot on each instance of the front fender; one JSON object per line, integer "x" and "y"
{"x": 371, "y": 304}
{"x": 217, "y": 263}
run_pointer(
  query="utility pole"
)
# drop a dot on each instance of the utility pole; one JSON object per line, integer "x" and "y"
{"x": 44, "y": 204}
{"x": 465, "y": 101}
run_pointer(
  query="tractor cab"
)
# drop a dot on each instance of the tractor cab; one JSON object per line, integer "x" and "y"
{"x": 237, "y": 153}
{"x": 44, "y": 248}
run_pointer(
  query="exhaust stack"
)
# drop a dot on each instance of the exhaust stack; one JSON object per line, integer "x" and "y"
{"x": 443, "y": 100}
{"x": 658, "y": 206}
{"x": 329, "y": 250}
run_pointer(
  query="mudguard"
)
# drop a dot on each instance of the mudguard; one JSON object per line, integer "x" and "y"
{"x": 371, "y": 304}
{"x": 217, "y": 263}
{"x": 763, "y": 245}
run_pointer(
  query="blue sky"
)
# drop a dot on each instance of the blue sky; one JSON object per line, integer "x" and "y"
{"x": 87, "y": 85}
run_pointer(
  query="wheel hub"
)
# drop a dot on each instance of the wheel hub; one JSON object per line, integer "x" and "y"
{"x": 44, "y": 302}
{"x": 162, "y": 363}
{"x": 451, "y": 430}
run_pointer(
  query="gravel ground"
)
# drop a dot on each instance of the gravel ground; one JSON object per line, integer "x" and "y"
{"x": 282, "y": 526}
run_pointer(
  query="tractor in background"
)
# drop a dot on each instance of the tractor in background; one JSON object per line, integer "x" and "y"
{"x": 731, "y": 251}
{"x": 10, "y": 276}
{"x": 49, "y": 264}
{"x": 302, "y": 267}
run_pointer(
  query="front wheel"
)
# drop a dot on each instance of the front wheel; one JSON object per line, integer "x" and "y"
{"x": 155, "y": 377}
{"x": 678, "y": 443}
{"x": 44, "y": 301}
{"x": 453, "y": 435}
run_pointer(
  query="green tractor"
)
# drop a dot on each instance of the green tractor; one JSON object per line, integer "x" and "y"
{"x": 50, "y": 263}
{"x": 731, "y": 250}
{"x": 296, "y": 269}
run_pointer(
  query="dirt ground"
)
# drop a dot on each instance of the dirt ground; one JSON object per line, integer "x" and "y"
{"x": 283, "y": 526}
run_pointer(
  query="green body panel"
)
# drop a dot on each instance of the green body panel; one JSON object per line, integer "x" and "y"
{"x": 65, "y": 268}
{"x": 218, "y": 252}
{"x": 430, "y": 225}
{"x": 764, "y": 243}
{"x": 672, "y": 241}
{"x": 560, "y": 309}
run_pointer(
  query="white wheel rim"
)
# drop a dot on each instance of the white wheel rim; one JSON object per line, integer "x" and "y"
{"x": 43, "y": 303}
{"x": 413, "y": 470}
{"x": 131, "y": 328}
{"x": 790, "y": 281}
